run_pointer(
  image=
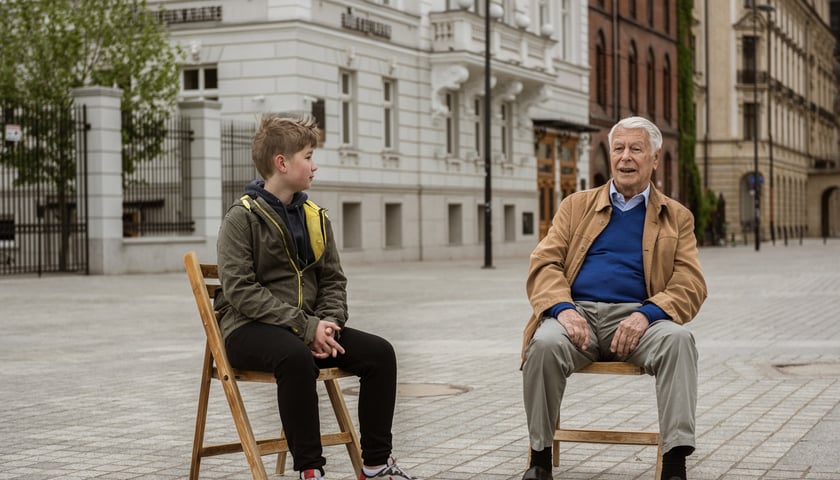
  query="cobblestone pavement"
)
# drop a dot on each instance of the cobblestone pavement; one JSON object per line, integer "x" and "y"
{"x": 101, "y": 374}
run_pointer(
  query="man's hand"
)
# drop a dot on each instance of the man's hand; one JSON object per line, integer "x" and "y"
{"x": 576, "y": 327}
{"x": 324, "y": 344}
{"x": 628, "y": 334}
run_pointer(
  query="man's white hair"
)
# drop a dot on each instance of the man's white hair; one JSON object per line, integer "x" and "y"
{"x": 632, "y": 123}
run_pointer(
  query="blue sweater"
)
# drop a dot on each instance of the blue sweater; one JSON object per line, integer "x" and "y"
{"x": 613, "y": 271}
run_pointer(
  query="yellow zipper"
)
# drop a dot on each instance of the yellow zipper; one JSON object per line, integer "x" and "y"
{"x": 298, "y": 272}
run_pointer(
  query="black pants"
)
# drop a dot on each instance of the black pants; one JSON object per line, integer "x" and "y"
{"x": 269, "y": 348}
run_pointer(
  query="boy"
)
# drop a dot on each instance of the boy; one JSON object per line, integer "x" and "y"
{"x": 283, "y": 304}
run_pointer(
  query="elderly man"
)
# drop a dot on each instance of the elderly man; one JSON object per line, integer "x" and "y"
{"x": 615, "y": 279}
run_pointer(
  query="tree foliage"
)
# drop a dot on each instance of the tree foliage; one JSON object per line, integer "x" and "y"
{"x": 50, "y": 47}
{"x": 692, "y": 193}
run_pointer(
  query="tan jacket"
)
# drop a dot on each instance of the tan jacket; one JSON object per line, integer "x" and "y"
{"x": 674, "y": 279}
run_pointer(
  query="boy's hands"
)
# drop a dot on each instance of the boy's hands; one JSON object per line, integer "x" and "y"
{"x": 324, "y": 344}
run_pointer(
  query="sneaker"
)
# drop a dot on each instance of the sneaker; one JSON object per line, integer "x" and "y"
{"x": 313, "y": 474}
{"x": 390, "y": 472}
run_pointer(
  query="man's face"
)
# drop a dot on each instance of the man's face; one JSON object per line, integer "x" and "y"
{"x": 632, "y": 161}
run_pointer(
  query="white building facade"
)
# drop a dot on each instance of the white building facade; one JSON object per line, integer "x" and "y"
{"x": 398, "y": 88}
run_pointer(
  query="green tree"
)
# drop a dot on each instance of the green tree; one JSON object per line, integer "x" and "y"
{"x": 691, "y": 191}
{"x": 47, "y": 48}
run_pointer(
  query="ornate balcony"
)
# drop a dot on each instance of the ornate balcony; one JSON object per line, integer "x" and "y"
{"x": 523, "y": 62}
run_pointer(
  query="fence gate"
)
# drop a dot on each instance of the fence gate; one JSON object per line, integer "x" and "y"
{"x": 43, "y": 189}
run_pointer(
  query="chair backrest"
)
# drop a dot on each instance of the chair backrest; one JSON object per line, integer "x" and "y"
{"x": 204, "y": 282}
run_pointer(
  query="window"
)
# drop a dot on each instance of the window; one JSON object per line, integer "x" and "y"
{"x": 455, "y": 232}
{"x": 478, "y": 126}
{"x": 318, "y": 110}
{"x": 601, "y": 70}
{"x": 393, "y": 225}
{"x": 748, "y": 58}
{"x": 666, "y": 89}
{"x": 506, "y": 130}
{"x": 527, "y": 223}
{"x": 565, "y": 36}
{"x": 200, "y": 82}
{"x": 351, "y": 216}
{"x": 452, "y": 124}
{"x": 651, "y": 85}
{"x": 389, "y": 109}
{"x": 633, "y": 11}
{"x": 750, "y": 125}
{"x": 650, "y": 12}
{"x": 510, "y": 223}
{"x": 666, "y": 15}
{"x": 347, "y": 98}
{"x": 633, "y": 74}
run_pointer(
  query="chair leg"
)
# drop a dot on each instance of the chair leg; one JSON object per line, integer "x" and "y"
{"x": 281, "y": 456}
{"x": 658, "y": 475}
{"x": 201, "y": 416}
{"x": 243, "y": 425}
{"x": 555, "y": 453}
{"x": 345, "y": 423}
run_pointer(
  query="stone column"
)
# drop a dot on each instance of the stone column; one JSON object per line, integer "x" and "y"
{"x": 206, "y": 171}
{"x": 105, "y": 193}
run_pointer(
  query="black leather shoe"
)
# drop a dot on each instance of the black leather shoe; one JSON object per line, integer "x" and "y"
{"x": 537, "y": 473}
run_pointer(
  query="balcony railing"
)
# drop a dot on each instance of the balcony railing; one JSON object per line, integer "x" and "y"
{"x": 463, "y": 31}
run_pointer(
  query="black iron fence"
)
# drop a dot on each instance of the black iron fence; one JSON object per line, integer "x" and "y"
{"x": 43, "y": 188}
{"x": 237, "y": 167}
{"x": 156, "y": 155}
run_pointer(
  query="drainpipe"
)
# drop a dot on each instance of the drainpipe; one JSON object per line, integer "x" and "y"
{"x": 708, "y": 95}
{"x": 616, "y": 99}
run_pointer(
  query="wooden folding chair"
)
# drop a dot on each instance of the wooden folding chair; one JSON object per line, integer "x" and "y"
{"x": 627, "y": 437}
{"x": 204, "y": 281}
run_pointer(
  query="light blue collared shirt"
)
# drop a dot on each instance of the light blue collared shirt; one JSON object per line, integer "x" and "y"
{"x": 620, "y": 203}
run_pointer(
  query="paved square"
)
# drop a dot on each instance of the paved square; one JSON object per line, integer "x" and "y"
{"x": 101, "y": 374}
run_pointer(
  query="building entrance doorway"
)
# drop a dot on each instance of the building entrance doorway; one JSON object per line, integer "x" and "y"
{"x": 556, "y": 154}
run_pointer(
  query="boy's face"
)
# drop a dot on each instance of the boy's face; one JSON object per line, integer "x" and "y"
{"x": 299, "y": 169}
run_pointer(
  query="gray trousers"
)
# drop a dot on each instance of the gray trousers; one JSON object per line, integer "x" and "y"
{"x": 666, "y": 350}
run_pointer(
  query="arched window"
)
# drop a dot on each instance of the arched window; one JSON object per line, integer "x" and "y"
{"x": 651, "y": 84}
{"x": 666, "y": 89}
{"x": 601, "y": 70}
{"x": 633, "y": 80}
{"x": 668, "y": 174}
{"x": 601, "y": 166}
{"x": 650, "y": 12}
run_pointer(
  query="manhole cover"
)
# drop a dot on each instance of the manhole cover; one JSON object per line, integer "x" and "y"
{"x": 810, "y": 369}
{"x": 417, "y": 390}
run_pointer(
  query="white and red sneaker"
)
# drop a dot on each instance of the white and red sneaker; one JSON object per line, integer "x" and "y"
{"x": 312, "y": 474}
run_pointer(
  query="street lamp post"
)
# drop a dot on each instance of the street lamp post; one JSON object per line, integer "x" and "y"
{"x": 488, "y": 196}
{"x": 755, "y": 177}
{"x": 488, "y": 231}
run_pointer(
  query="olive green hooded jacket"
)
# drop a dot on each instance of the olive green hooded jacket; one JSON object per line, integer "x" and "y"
{"x": 260, "y": 277}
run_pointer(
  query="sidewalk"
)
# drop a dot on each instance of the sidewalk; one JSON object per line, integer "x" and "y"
{"x": 101, "y": 374}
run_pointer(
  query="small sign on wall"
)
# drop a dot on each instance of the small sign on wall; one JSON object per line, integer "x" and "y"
{"x": 13, "y": 133}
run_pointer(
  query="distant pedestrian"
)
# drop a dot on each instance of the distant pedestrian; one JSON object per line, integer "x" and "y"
{"x": 615, "y": 279}
{"x": 283, "y": 306}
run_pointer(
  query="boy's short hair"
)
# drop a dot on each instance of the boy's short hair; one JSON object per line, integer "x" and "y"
{"x": 284, "y": 134}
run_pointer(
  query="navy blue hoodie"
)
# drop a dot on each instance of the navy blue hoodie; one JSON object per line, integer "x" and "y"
{"x": 292, "y": 215}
